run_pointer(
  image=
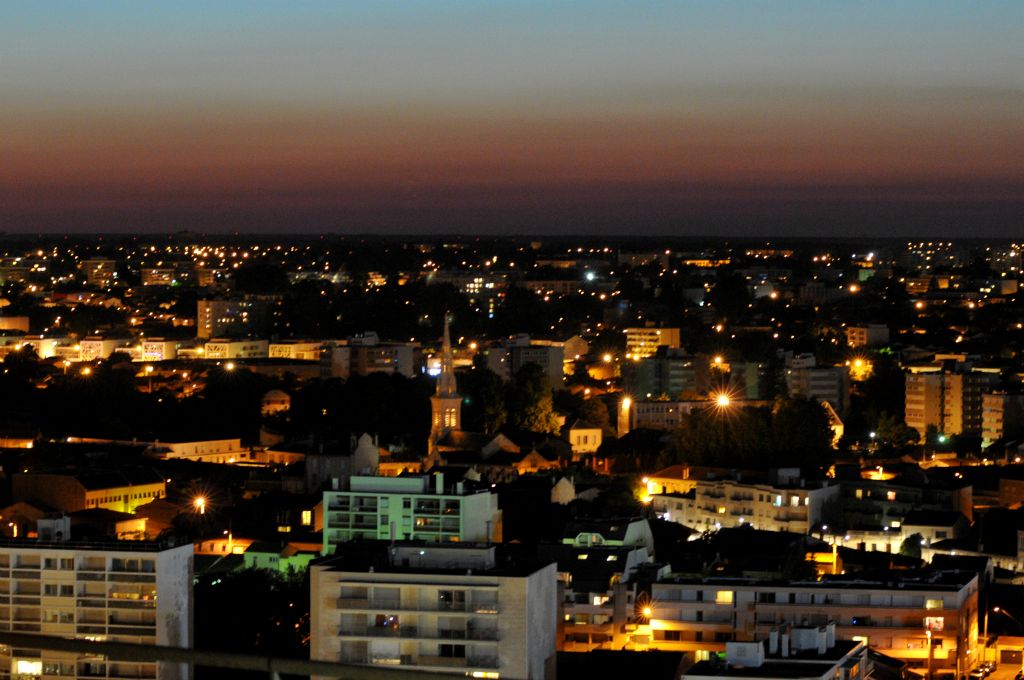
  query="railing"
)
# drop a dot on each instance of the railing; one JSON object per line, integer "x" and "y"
{"x": 398, "y": 605}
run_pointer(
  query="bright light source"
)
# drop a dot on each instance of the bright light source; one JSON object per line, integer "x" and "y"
{"x": 626, "y": 403}
{"x": 200, "y": 503}
{"x": 722, "y": 400}
{"x": 230, "y": 366}
{"x": 647, "y": 611}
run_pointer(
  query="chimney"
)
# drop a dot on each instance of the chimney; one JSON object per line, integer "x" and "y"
{"x": 773, "y": 641}
{"x": 785, "y": 645}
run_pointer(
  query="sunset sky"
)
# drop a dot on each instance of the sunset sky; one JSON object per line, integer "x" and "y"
{"x": 738, "y": 117}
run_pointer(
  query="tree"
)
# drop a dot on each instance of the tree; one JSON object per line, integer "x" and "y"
{"x": 529, "y": 401}
{"x": 911, "y": 546}
{"x": 892, "y": 431}
{"x": 801, "y": 432}
{"x": 483, "y": 407}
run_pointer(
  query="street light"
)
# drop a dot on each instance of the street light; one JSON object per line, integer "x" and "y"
{"x": 200, "y": 503}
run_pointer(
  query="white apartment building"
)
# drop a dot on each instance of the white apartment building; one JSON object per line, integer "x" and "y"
{"x": 727, "y": 503}
{"x": 870, "y": 335}
{"x": 438, "y": 608}
{"x": 120, "y": 592}
{"x": 823, "y": 383}
{"x": 421, "y": 507}
{"x": 891, "y": 616}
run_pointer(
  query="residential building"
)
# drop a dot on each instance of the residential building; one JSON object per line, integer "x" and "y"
{"x": 99, "y": 272}
{"x": 949, "y": 398}
{"x": 1002, "y": 415}
{"x": 810, "y": 652}
{"x": 218, "y": 318}
{"x": 447, "y": 608}
{"x": 670, "y": 372}
{"x": 133, "y": 592}
{"x": 893, "y": 612}
{"x": 370, "y": 355}
{"x": 822, "y": 383}
{"x": 869, "y": 335}
{"x": 583, "y": 437}
{"x": 506, "y": 358}
{"x": 644, "y": 342}
{"x": 786, "y": 504}
{"x": 417, "y": 507}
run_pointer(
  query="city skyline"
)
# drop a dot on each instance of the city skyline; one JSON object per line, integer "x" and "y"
{"x": 663, "y": 118}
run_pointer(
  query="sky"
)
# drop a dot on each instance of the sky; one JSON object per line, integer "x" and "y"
{"x": 736, "y": 117}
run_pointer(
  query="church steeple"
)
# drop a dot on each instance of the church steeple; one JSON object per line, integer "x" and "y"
{"x": 446, "y": 404}
{"x": 446, "y": 380}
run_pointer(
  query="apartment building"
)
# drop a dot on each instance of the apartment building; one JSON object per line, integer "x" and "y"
{"x": 644, "y": 342}
{"x": 893, "y": 613}
{"x": 948, "y": 398}
{"x": 443, "y": 608}
{"x": 870, "y": 335}
{"x": 506, "y": 358}
{"x": 822, "y": 383}
{"x": 419, "y": 507}
{"x": 1002, "y": 415}
{"x": 788, "y": 505}
{"x": 120, "y": 592}
{"x": 368, "y": 354}
{"x": 670, "y": 372}
{"x": 235, "y": 349}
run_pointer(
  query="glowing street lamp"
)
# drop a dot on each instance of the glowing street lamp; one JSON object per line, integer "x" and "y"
{"x": 230, "y": 366}
{"x": 723, "y": 400}
{"x": 200, "y": 504}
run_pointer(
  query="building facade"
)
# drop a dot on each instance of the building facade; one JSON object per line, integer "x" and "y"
{"x": 438, "y": 608}
{"x": 130, "y": 592}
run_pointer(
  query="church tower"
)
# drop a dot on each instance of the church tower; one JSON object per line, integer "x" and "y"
{"x": 446, "y": 404}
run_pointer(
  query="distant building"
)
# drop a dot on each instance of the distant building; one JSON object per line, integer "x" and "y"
{"x": 644, "y": 342}
{"x": 508, "y": 357}
{"x": 219, "y": 317}
{"x": 445, "y": 404}
{"x": 822, "y": 383}
{"x": 950, "y": 399}
{"x": 235, "y": 349}
{"x": 870, "y": 335}
{"x": 785, "y": 505}
{"x": 583, "y": 437}
{"x": 370, "y": 355}
{"x": 1002, "y": 415}
{"x": 99, "y": 272}
{"x": 670, "y": 372}
{"x": 121, "y": 490}
{"x": 448, "y": 608}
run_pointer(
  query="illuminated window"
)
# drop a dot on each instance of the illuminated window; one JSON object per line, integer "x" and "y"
{"x": 933, "y": 603}
{"x": 723, "y": 597}
{"x": 890, "y": 495}
{"x": 307, "y": 517}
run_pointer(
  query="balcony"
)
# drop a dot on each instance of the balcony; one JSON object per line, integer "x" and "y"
{"x": 399, "y": 606}
{"x": 381, "y": 632}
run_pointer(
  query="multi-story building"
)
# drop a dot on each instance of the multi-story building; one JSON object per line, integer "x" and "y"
{"x": 218, "y": 318}
{"x": 896, "y": 616}
{"x": 441, "y": 608}
{"x": 1002, "y": 415}
{"x": 99, "y": 272}
{"x": 644, "y": 342}
{"x": 129, "y": 591}
{"x": 369, "y": 355}
{"x": 949, "y": 398}
{"x": 869, "y": 335}
{"x": 420, "y": 507}
{"x": 786, "y": 505}
{"x": 823, "y": 383}
{"x": 506, "y": 358}
{"x": 669, "y": 372}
